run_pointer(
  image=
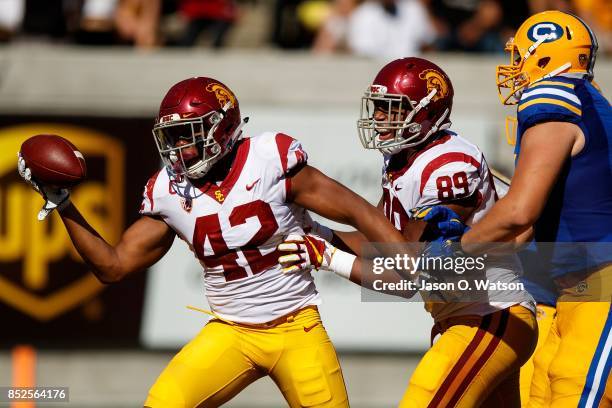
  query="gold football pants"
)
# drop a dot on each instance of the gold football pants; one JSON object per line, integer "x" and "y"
{"x": 475, "y": 362}
{"x": 577, "y": 355}
{"x": 534, "y": 376}
{"x": 224, "y": 358}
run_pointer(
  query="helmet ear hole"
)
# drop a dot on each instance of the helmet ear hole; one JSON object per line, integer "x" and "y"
{"x": 543, "y": 62}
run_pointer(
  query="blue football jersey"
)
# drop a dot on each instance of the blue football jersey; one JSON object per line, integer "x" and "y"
{"x": 579, "y": 208}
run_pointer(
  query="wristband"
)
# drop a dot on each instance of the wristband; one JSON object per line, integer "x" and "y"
{"x": 342, "y": 263}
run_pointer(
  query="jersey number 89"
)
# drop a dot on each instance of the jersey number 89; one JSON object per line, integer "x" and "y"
{"x": 445, "y": 186}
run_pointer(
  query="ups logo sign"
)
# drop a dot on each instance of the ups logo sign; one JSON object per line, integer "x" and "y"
{"x": 41, "y": 275}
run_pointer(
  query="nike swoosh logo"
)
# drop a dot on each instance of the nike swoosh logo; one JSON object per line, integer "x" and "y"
{"x": 249, "y": 187}
{"x": 309, "y": 328}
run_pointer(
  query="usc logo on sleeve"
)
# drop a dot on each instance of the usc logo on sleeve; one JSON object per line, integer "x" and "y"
{"x": 41, "y": 274}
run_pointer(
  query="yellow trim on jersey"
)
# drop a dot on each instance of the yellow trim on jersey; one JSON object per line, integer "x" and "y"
{"x": 208, "y": 312}
{"x": 571, "y": 86}
{"x": 553, "y": 102}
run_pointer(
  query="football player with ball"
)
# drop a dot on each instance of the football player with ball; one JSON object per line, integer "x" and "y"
{"x": 232, "y": 199}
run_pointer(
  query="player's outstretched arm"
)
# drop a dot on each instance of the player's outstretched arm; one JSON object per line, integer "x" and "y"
{"x": 352, "y": 241}
{"x": 315, "y": 191}
{"x": 545, "y": 148}
{"x": 140, "y": 246}
{"x": 303, "y": 253}
{"x": 143, "y": 244}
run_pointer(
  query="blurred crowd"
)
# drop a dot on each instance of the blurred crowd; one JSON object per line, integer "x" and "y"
{"x": 372, "y": 28}
{"x": 392, "y": 28}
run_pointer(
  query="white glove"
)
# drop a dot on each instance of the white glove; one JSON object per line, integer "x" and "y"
{"x": 306, "y": 252}
{"x": 54, "y": 197}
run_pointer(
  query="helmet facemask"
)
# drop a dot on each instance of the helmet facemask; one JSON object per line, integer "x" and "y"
{"x": 395, "y": 133}
{"x": 198, "y": 133}
{"x": 514, "y": 78}
{"x": 511, "y": 81}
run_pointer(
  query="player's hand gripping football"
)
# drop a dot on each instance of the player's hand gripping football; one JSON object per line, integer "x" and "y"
{"x": 305, "y": 252}
{"x": 55, "y": 198}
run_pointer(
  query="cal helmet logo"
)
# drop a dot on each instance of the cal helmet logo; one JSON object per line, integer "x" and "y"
{"x": 435, "y": 80}
{"x": 222, "y": 94}
{"x": 547, "y": 31}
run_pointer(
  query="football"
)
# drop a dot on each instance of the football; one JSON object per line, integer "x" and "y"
{"x": 53, "y": 160}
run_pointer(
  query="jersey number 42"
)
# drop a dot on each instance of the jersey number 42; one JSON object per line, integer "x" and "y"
{"x": 209, "y": 226}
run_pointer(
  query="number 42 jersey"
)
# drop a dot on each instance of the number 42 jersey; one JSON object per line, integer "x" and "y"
{"x": 233, "y": 229}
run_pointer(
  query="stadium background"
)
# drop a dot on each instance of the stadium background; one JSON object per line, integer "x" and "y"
{"x": 108, "y": 343}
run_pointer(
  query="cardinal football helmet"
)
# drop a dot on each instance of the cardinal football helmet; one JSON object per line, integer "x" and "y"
{"x": 545, "y": 45}
{"x": 198, "y": 112}
{"x": 416, "y": 97}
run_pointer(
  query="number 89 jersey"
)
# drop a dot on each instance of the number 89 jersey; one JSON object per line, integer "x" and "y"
{"x": 233, "y": 229}
{"x": 448, "y": 168}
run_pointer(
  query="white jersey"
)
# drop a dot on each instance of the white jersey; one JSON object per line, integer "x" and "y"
{"x": 233, "y": 229}
{"x": 450, "y": 168}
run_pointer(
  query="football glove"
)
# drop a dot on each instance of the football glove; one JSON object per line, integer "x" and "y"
{"x": 306, "y": 252}
{"x": 449, "y": 229}
{"x": 55, "y": 198}
{"x": 447, "y": 223}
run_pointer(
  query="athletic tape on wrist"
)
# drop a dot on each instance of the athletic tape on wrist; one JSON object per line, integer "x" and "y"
{"x": 342, "y": 263}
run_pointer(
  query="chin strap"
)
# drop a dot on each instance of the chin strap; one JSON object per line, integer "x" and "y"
{"x": 237, "y": 135}
{"x": 536, "y": 44}
{"x": 397, "y": 142}
{"x": 531, "y": 50}
{"x": 438, "y": 125}
{"x": 422, "y": 103}
{"x": 557, "y": 71}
